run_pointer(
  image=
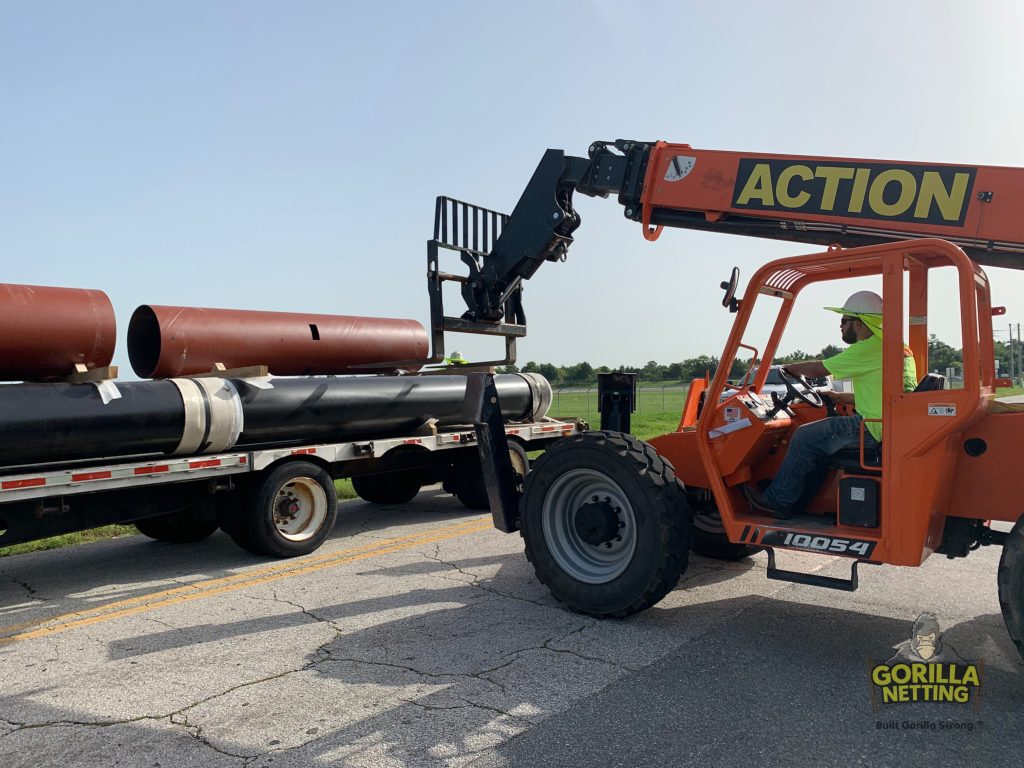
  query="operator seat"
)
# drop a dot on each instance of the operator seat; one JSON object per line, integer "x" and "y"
{"x": 848, "y": 459}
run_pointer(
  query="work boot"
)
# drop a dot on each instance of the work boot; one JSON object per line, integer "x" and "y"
{"x": 757, "y": 500}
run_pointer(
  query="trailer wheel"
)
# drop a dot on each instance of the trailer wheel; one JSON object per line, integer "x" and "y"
{"x": 606, "y": 524}
{"x": 184, "y": 527}
{"x": 291, "y": 512}
{"x": 1011, "y": 584}
{"x": 391, "y": 488}
{"x": 467, "y": 479}
{"x": 709, "y": 539}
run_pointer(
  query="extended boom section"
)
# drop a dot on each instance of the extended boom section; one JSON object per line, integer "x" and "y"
{"x": 820, "y": 200}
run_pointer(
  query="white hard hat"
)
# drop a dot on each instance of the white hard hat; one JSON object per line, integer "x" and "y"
{"x": 861, "y": 303}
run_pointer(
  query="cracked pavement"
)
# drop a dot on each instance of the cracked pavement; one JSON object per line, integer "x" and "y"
{"x": 450, "y": 653}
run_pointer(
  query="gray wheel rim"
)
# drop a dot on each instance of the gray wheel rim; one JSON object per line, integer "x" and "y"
{"x": 589, "y": 563}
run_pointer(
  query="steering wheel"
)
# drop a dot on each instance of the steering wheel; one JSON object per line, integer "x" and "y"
{"x": 809, "y": 396}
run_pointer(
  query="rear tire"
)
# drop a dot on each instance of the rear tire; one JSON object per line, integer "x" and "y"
{"x": 710, "y": 540}
{"x": 184, "y": 527}
{"x": 1011, "y": 584}
{"x": 606, "y": 524}
{"x": 391, "y": 488}
{"x": 467, "y": 479}
{"x": 290, "y": 513}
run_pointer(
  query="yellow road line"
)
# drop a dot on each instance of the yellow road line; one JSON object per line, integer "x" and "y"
{"x": 212, "y": 587}
{"x": 281, "y": 565}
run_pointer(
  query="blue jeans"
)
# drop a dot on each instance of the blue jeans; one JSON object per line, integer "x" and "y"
{"x": 810, "y": 446}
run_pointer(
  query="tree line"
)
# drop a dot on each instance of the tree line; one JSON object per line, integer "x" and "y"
{"x": 940, "y": 357}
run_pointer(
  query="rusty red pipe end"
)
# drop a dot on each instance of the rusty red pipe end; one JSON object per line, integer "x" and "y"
{"x": 45, "y": 331}
{"x": 164, "y": 342}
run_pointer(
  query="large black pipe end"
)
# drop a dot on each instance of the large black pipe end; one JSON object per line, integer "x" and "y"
{"x": 144, "y": 341}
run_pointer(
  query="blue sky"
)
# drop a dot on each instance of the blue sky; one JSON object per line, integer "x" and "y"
{"x": 285, "y": 156}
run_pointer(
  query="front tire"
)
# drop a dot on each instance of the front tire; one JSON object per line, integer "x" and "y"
{"x": 290, "y": 513}
{"x": 606, "y": 524}
{"x": 1011, "y": 584}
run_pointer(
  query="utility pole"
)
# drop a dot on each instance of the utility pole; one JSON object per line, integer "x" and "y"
{"x": 1012, "y": 368}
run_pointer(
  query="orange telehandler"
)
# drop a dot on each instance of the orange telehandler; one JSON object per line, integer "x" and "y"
{"x": 609, "y": 521}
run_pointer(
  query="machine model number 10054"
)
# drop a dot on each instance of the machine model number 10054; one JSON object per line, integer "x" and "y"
{"x": 849, "y": 547}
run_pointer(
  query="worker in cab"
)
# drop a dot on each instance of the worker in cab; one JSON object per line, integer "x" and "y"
{"x": 813, "y": 443}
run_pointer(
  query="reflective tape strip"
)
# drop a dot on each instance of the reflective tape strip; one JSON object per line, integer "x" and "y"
{"x": 151, "y": 470}
{"x": 30, "y": 482}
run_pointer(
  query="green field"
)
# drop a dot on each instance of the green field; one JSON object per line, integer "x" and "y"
{"x": 658, "y": 411}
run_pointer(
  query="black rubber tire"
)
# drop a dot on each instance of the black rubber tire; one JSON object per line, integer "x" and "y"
{"x": 259, "y": 530}
{"x": 391, "y": 488}
{"x": 709, "y": 540}
{"x": 467, "y": 481}
{"x": 185, "y": 527}
{"x": 1010, "y": 578}
{"x": 659, "y": 517}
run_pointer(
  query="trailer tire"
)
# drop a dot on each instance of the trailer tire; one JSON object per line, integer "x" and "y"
{"x": 606, "y": 523}
{"x": 710, "y": 540}
{"x": 1011, "y": 584}
{"x": 467, "y": 480}
{"x": 186, "y": 526}
{"x": 391, "y": 488}
{"x": 290, "y": 512}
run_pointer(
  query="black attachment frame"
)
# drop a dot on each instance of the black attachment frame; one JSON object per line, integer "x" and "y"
{"x": 616, "y": 400}
{"x": 501, "y": 251}
{"x": 483, "y": 409}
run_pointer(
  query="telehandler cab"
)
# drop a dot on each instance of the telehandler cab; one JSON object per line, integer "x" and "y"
{"x": 609, "y": 521}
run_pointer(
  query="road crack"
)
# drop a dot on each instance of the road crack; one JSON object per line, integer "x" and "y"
{"x": 32, "y": 595}
{"x": 475, "y": 581}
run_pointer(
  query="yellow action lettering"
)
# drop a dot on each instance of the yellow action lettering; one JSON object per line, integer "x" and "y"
{"x": 950, "y": 201}
{"x": 782, "y": 188}
{"x": 832, "y": 175}
{"x": 758, "y": 186}
{"x": 908, "y": 190}
{"x": 860, "y": 187}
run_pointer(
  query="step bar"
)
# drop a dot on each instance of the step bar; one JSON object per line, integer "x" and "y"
{"x": 812, "y": 579}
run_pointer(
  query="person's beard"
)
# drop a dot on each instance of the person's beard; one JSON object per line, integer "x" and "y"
{"x": 849, "y": 335}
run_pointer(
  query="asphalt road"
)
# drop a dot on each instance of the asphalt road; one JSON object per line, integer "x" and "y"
{"x": 418, "y": 636}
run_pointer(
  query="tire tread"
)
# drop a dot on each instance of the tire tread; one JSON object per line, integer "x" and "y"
{"x": 670, "y": 497}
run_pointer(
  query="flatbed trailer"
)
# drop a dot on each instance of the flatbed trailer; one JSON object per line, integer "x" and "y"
{"x": 277, "y": 501}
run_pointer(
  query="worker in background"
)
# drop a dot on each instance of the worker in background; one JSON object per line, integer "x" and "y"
{"x": 455, "y": 359}
{"x": 861, "y": 362}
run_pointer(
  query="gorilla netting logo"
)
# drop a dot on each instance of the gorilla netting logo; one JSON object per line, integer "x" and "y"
{"x": 926, "y": 670}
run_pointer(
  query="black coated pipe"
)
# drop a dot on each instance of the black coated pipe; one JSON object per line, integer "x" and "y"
{"x": 51, "y": 422}
{"x": 64, "y": 422}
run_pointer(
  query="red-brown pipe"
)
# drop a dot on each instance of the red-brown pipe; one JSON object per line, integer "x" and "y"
{"x": 179, "y": 341}
{"x": 45, "y": 332}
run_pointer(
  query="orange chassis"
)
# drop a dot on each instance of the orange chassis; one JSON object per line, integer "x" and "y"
{"x": 944, "y": 453}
